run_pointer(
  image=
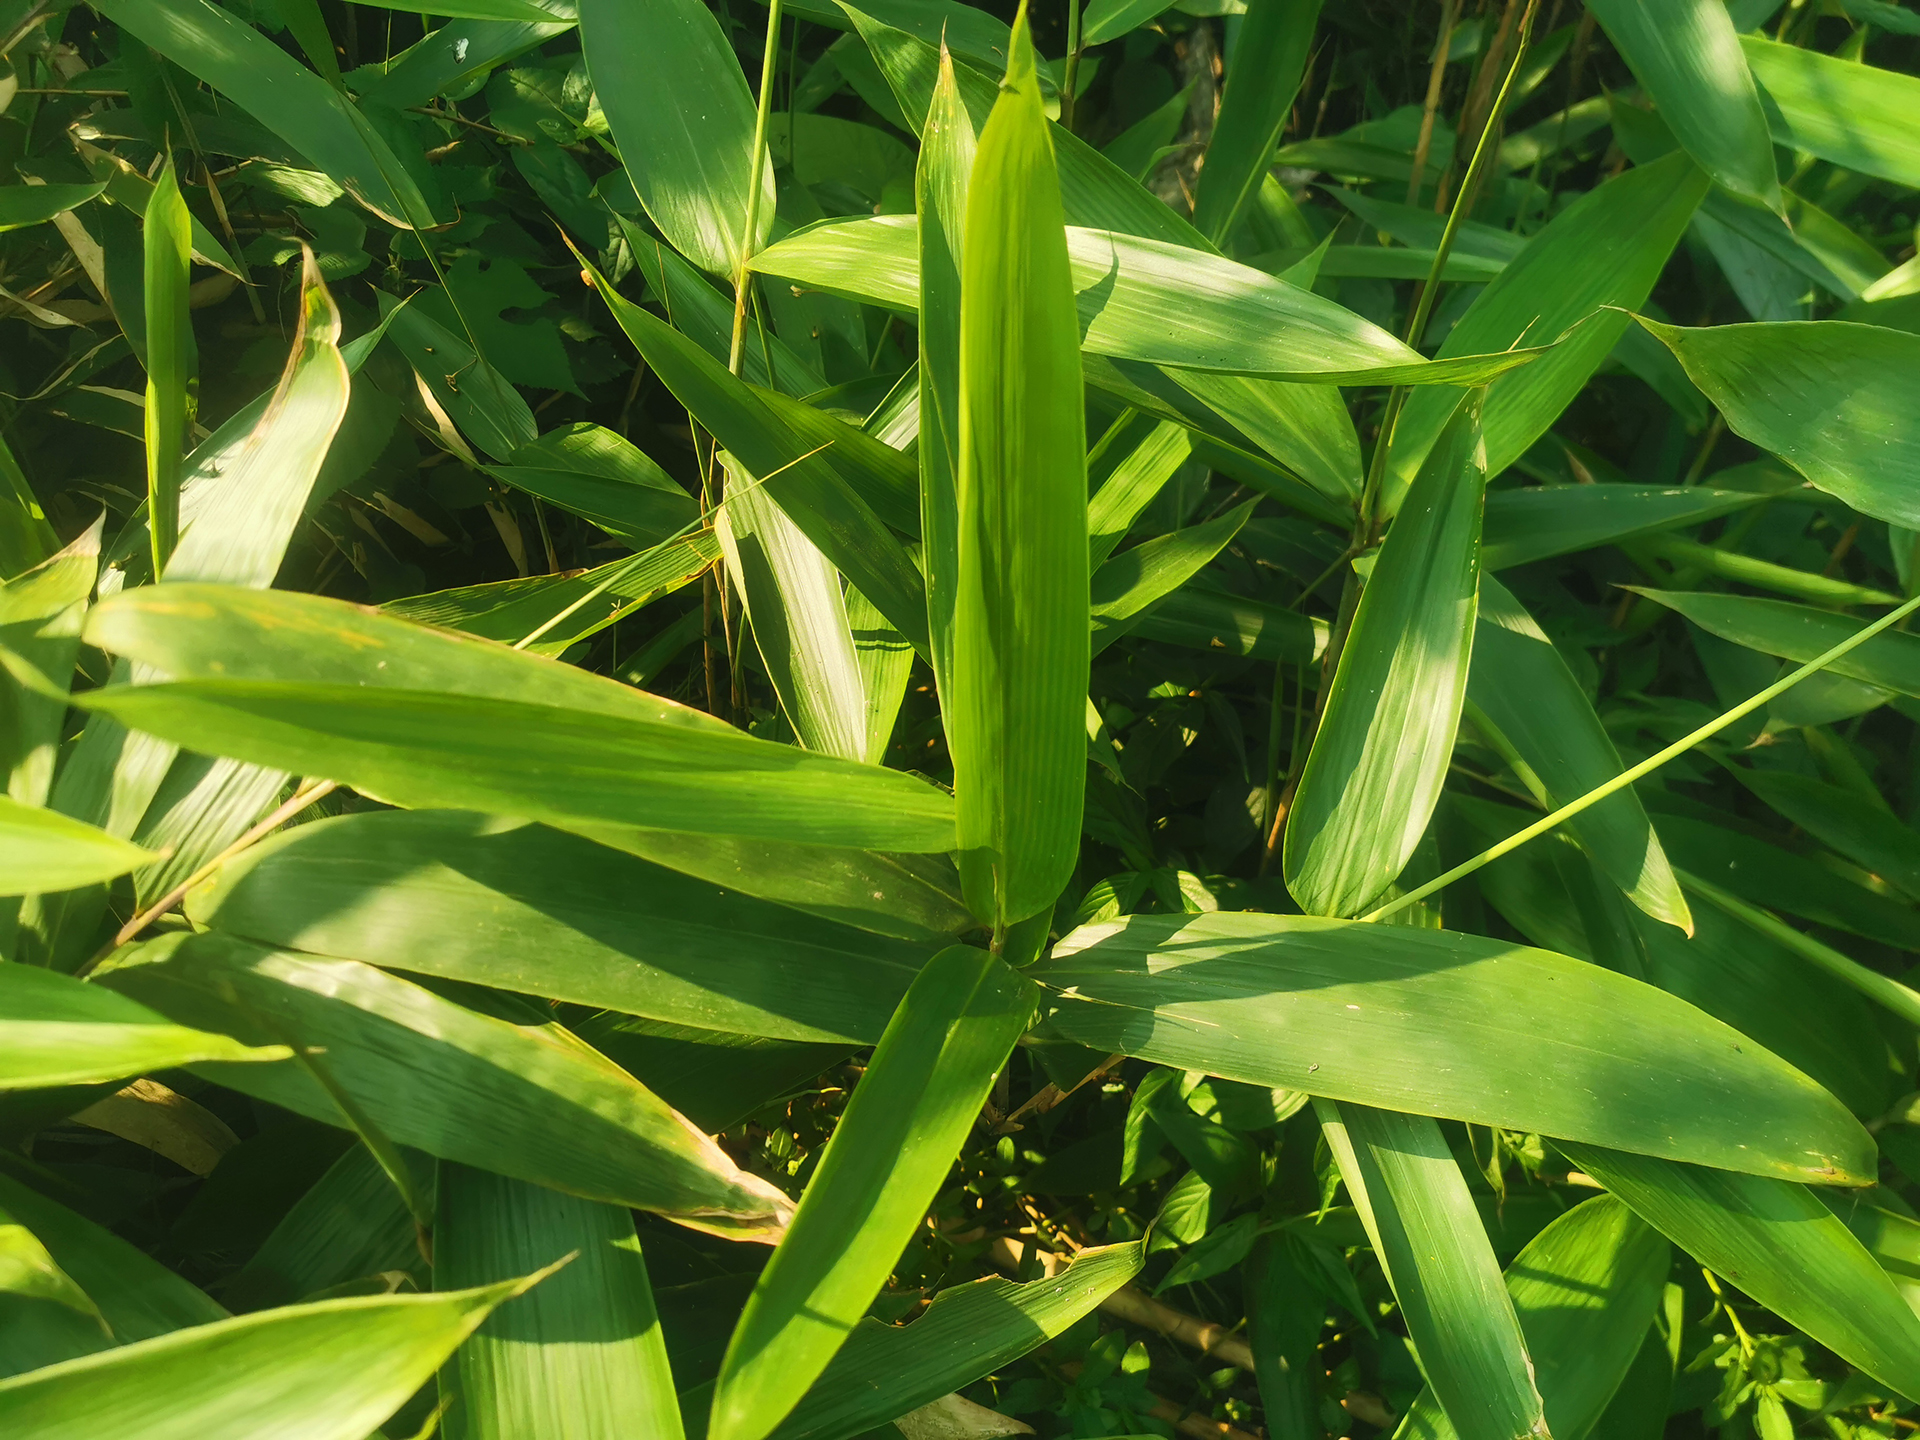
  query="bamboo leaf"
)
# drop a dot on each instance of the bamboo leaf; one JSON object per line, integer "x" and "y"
{"x": 1136, "y": 580}
{"x": 1541, "y": 521}
{"x": 1428, "y": 1237}
{"x": 42, "y": 850}
{"x": 532, "y": 1103}
{"x": 1470, "y": 1024}
{"x": 1855, "y": 115}
{"x": 1687, "y": 55}
{"x": 1269, "y": 57}
{"x": 170, "y": 357}
{"x": 1378, "y": 762}
{"x": 582, "y": 1354}
{"x": 1890, "y": 660}
{"x": 683, "y": 118}
{"x": 893, "y": 1147}
{"x": 22, "y": 205}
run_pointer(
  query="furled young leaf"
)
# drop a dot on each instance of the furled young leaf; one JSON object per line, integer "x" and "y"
{"x": 1687, "y": 55}
{"x": 531, "y": 1103}
{"x": 1380, "y": 757}
{"x": 1605, "y": 249}
{"x": 1155, "y": 301}
{"x": 1015, "y": 711}
{"x": 792, "y": 599}
{"x": 1540, "y": 521}
{"x": 1448, "y": 1024}
{"x": 892, "y": 1149}
{"x": 61, "y": 1031}
{"x": 1520, "y": 682}
{"x": 1779, "y": 1244}
{"x": 1269, "y": 57}
{"x": 43, "y": 850}
{"x": 1836, "y": 401}
{"x": 1857, "y": 116}
{"x": 581, "y": 1355}
{"x": 806, "y": 485}
{"x": 171, "y": 360}
{"x": 1585, "y": 1290}
{"x": 333, "y": 1370}
{"x": 884, "y": 1371}
{"x": 940, "y": 201}
{"x": 1427, "y": 1236}
{"x": 683, "y": 118}
{"x": 297, "y": 105}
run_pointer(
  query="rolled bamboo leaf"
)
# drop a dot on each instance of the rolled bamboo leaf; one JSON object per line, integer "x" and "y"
{"x": 892, "y": 1149}
{"x": 1016, "y": 706}
{"x": 1471, "y": 1025}
{"x": 1427, "y": 1234}
{"x": 171, "y": 359}
{"x": 1378, "y": 762}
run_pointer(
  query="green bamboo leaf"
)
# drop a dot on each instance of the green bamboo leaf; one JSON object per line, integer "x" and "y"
{"x": 1218, "y": 622}
{"x": 451, "y": 56}
{"x": 1858, "y": 116}
{"x": 683, "y": 118}
{"x": 352, "y": 1223}
{"x": 1110, "y": 19}
{"x": 1585, "y": 1290}
{"x": 1890, "y": 660}
{"x": 1156, "y": 301}
{"x": 1834, "y": 400}
{"x": 43, "y": 850}
{"x": 1427, "y": 1235}
{"x": 1538, "y": 522}
{"x": 29, "y": 1273}
{"x": 1687, "y": 55}
{"x": 614, "y": 756}
{"x": 41, "y": 612}
{"x": 1872, "y": 837}
{"x": 890, "y": 1152}
{"x": 1304, "y": 427}
{"x": 1779, "y": 1244}
{"x": 604, "y": 478}
{"x": 22, "y": 205}
{"x": 583, "y": 1354}
{"x": 1269, "y": 57}
{"x": 1139, "y": 456}
{"x": 26, "y": 538}
{"x": 803, "y": 480}
{"x": 532, "y": 1103}
{"x": 565, "y": 919}
{"x": 328, "y": 1371}
{"x": 792, "y": 598}
{"x": 940, "y": 203}
{"x": 1521, "y": 683}
{"x": 475, "y": 396}
{"x": 1136, "y": 580}
{"x": 1016, "y": 708}
{"x": 1685, "y": 554}
{"x": 519, "y": 11}
{"x": 884, "y": 1371}
{"x": 1605, "y": 249}
{"x": 886, "y": 665}
{"x": 171, "y": 359}
{"x": 289, "y": 99}
{"x": 1378, "y": 762}
{"x": 1471, "y": 1025}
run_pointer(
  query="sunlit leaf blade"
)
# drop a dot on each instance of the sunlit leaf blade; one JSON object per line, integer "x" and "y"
{"x": 1585, "y": 1290}
{"x": 531, "y": 1103}
{"x": 793, "y": 599}
{"x": 1133, "y": 582}
{"x": 26, "y": 538}
{"x": 1269, "y": 57}
{"x": 171, "y": 359}
{"x": 1016, "y": 708}
{"x": 1780, "y": 1244}
{"x": 893, "y": 1147}
{"x": 1471, "y": 1025}
{"x": 1155, "y": 301}
{"x": 883, "y": 1371}
{"x": 489, "y": 412}
{"x": 333, "y": 1370}
{"x": 282, "y": 94}
{"x": 682, "y": 116}
{"x": 61, "y": 1031}
{"x": 1521, "y": 683}
{"x": 1839, "y": 109}
{"x": 1427, "y": 1235}
{"x": 1890, "y": 660}
{"x": 1380, "y": 757}
{"x": 1835, "y": 401}
{"x": 1687, "y": 55}
{"x": 41, "y": 611}
{"x": 1540, "y": 521}
{"x": 1606, "y": 248}
{"x": 940, "y": 201}
{"x": 1154, "y": 454}
{"x": 43, "y": 850}
{"x": 595, "y": 473}
{"x": 582, "y": 1354}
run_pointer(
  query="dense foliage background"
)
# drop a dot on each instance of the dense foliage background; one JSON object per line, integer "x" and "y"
{"x": 505, "y": 450}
